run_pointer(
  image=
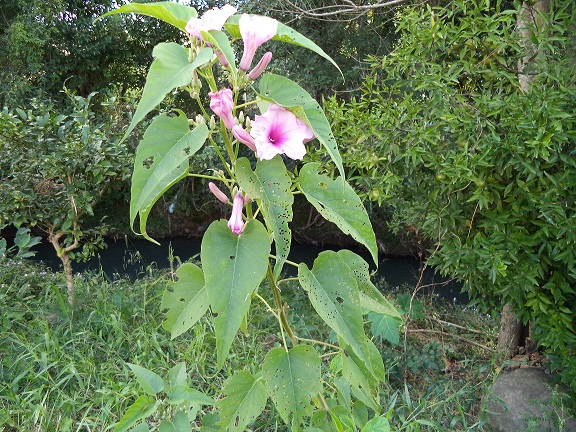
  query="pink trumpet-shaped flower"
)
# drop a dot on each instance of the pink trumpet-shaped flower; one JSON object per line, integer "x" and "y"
{"x": 218, "y": 193}
{"x": 244, "y": 137}
{"x": 255, "y": 30}
{"x": 279, "y": 131}
{"x": 236, "y": 224}
{"x": 262, "y": 64}
{"x": 222, "y": 103}
{"x": 212, "y": 19}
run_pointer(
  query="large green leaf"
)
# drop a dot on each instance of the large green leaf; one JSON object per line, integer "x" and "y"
{"x": 142, "y": 407}
{"x": 186, "y": 299}
{"x": 371, "y": 299}
{"x": 286, "y": 93}
{"x": 173, "y": 13}
{"x": 333, "y": 291}
{"x": 181, "y": 423}
{"x": 170, "y": 69}
{"x": 283, "y": 34}
{"x": 234, "y": 265}
{"x": 150, "y": 382}
{"x": 245, "y": 400}
{"x": 270, "y": 184}
{"x": 385, "y": 327}
{"x": 338, "y": 203}
{"x": 292, "y": 377}
{"x": 162, "y": 160}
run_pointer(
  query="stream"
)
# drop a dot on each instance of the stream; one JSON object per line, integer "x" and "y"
{"x": 131, "y": 257}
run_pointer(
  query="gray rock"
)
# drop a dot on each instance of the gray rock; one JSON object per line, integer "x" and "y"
{"x": 524, "y": 400}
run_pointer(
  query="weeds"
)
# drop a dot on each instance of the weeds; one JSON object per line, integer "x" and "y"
{"x": 66, "y": 371}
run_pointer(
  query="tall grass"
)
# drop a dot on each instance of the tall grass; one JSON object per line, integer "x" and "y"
{"x": 63, "y": 370}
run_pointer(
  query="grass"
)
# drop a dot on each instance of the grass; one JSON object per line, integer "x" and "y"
{"x": 64, "y": 371}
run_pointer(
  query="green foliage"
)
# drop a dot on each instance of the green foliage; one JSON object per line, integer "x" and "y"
{"x": 45, "y": 44}
{"x": 57, "y": 166}
{"x": 444, "y": 135}
{"x": 236, "y": 256}
{"x": 23, "y": 241}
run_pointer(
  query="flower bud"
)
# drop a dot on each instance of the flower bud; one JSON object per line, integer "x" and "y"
{"x": 262, "y": 64}
{"x": 218, "y": 193}
{"x": 244, "y": 137}
{"x": 236, "y": 224}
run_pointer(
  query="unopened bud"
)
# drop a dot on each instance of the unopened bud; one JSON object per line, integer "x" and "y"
{"x": 218, "y": 193}
{"x": 244, "y": 137}
{"x": 241, "y": 117}
{"x": 212, "y": 122}
{"x": 262, "y": 64}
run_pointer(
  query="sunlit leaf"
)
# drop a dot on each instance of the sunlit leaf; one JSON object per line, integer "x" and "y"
{"x": 173, "y": 13}
{"x": 292, "y": 377}
{"x": 186, "y": 299}
{"x": 161, "y": 161}
{"x": 286, "y": 93}
{"x": 270, "y": 184}
{"x": 233, "y": 265}
{"x": 338, "y": 203}
{"x": 245, "y": 399}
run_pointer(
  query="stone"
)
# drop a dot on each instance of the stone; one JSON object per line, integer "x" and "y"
{"x": 524, "y": 400}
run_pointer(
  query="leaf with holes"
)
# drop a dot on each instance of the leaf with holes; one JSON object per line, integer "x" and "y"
{"x": 233, "y": 265}
{"x": 270, "y": 184}
{"x": 385, "y": 327}
{"x": 370, "y": 298}
{"x": 286, "y": 93}
{"x": 283, "y": 34}
{"x": 142, "y": 407}
{"x": 172, "y": 13}
{"x": 161, "y": 160}
{"x": 245, "y": 400}
{"x": 170, "y": 69}
{"x": 186, "y": 299}
{"x": 338, "y": 203}
{"x": 292, "y": 377}
{"x": 333, "y": 291}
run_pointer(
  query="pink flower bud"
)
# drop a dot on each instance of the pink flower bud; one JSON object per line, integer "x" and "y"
{"x": 262, "y": 64}
{"x": 222, "y": 103}
{"x": 244, "y": 137}
{"x": 236, "y": 224}
{"x": 218, "y": 193}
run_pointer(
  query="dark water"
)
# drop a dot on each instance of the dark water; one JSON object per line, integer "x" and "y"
{"x": 132, "y": 257}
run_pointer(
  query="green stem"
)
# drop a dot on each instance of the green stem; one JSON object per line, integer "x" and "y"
{"x": 281, "y": 311}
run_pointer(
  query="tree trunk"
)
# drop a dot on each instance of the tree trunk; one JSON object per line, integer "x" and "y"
{"x": 529, "y": 20}
{"x": 66, "y": 263}
{"x": 509, "y": 334}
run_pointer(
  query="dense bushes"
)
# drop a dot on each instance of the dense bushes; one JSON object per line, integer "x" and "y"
{"x": 55, "y": 167}
{"x": 485, "y": 171}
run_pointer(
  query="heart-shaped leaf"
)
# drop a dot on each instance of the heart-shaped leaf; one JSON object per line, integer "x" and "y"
{"x": 186, "y": 299}
{"x": 292, "y": 377}
{"x": 162, "y": 160}
{"x": 233, "y": 265}
{"x": 245, "y": 399}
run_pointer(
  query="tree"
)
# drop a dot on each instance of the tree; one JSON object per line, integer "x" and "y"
{"x": 55, "y": 168}
{"x": 483, "y": 170}
{"x": 47, "y": 44}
